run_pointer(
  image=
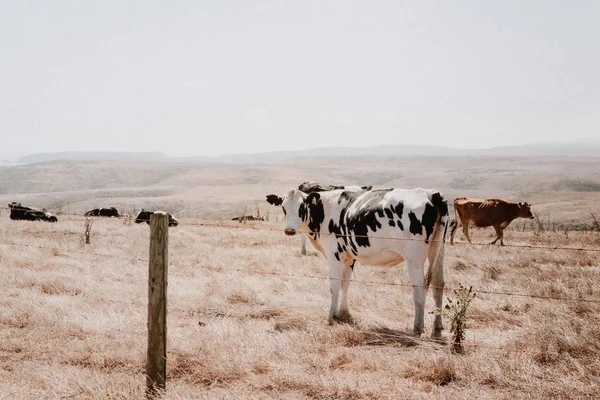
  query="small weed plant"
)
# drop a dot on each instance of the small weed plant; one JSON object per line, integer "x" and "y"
{"x": 456, "y": 311}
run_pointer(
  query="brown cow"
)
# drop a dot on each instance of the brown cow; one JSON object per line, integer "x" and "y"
{"x": 490, "y": 212}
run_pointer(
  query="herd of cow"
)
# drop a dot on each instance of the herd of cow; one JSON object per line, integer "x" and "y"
{"x": 21, "y": 212}
{"x": 380, "y": 227}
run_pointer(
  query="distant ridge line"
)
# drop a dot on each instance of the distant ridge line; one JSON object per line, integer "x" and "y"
{"x": 529, "y": 150}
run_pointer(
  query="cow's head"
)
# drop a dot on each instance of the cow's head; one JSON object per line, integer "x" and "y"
{"x": 525, "y": 210}
{"x": 296, "y": 207}
{"x": 143, "y": 216}
{"x": 173, "y": 221}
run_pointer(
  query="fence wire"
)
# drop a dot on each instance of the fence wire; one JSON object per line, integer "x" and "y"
{"x": 339, "y": 235}
{"x": 306, "y": 276}
{"x": 245, "y": 226}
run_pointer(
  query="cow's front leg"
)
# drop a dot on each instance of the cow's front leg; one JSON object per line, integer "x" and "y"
{"x": 336, "y": 273}
{"x": 417, "y": 280}
{"x": 344, "y": 312}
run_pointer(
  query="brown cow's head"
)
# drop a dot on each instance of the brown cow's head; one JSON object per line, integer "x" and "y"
{"x": 525, "y": 210}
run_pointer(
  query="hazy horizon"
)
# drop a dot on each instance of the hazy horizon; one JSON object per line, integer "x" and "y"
{"x": 220, "y": 78}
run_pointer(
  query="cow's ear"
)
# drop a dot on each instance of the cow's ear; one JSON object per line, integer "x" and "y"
{"x": 313, "y": 199}
{"x": 274, "y": 200}
{"x": 520, "y": 204}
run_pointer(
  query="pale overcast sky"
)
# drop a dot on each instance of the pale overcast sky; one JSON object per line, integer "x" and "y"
{"x": 217, "y": 77}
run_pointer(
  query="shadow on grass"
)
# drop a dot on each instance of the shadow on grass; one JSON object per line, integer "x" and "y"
{"x": 379, "y": 336}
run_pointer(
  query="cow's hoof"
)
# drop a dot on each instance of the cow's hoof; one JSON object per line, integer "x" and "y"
{"x": 437, "y": 335}
{"x": 344, "y": 317}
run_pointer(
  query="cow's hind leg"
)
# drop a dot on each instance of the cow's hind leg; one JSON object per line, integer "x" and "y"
{"x": 499, "y": 235}
{"x": 303, "y": 245}
{"x": 336, "y": 273}
{"x": 437, "y": 283}
{"x": 344, "y": 313}
{"x": 466, "y": 231}
{"x": 454, "y": 225}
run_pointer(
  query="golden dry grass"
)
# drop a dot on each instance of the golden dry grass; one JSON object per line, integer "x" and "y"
{"x": 73, "y": 322}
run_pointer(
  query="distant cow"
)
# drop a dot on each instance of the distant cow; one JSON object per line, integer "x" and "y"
{"x": 103, "y": 212}
{"x": 20, "y": 212}
{"x": 308, "y": 188}
{"x": 381, "y": 227}
{"x": 490, "y": 212}
{"x": 247, "y": 218}
{"x": 144, "y": 216}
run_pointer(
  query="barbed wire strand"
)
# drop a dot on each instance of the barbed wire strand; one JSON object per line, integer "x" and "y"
{"x": 408, "y": 285}
{"x": 220, "y": 269}
{"x": 339, "y": 235}
{"x": 527, "y": 246}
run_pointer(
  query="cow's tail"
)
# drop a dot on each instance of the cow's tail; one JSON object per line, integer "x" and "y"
{"x": 435, "y": 255}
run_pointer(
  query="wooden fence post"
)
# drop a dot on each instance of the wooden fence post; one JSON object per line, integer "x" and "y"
{"x": 156, "y": 366}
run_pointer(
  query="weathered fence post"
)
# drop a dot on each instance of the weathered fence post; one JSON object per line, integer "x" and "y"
{"x": 88, "y": 229}
{"x": 156, "y": 365}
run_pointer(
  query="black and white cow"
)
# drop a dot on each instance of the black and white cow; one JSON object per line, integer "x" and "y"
{"x": 308, "y": 188}
{"x": 144, "y": 216}
{"x": 381, "y": 227}
{"x": 20, "y": 212}
{"x": 103, "y": 212}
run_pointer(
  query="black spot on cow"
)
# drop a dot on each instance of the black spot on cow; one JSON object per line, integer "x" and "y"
{"x": 103, "y": 212}
{"x": 361, "y": 223}
{"x": 428, "y": 221}
{"x": 415, "y": 225}
{"x": 348, "y": 196}
{"x": 334, "y": 228}
{"x": 302, "y": 212}
{"x": 316, "y": 213}
{"x": 274, "y": 200}
{"x": 399, "y": 209}
{"x": 144, "y": 216}
{"x": 352, "y": 265}
{"x": 389, "y": 213}
{"x": 392, "y": 223}
{"x": 439, "y": 203}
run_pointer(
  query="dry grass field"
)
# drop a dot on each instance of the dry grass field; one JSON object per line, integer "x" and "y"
{"x": 73, "y": 318}
{"x": 248, "y": 313}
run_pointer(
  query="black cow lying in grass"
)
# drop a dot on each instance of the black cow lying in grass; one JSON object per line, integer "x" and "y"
{"x": 103, "y": 212}
{"x": 144, "y": 216}
{"x": 19, "y": 212}
{"x": 247, "y": 218}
